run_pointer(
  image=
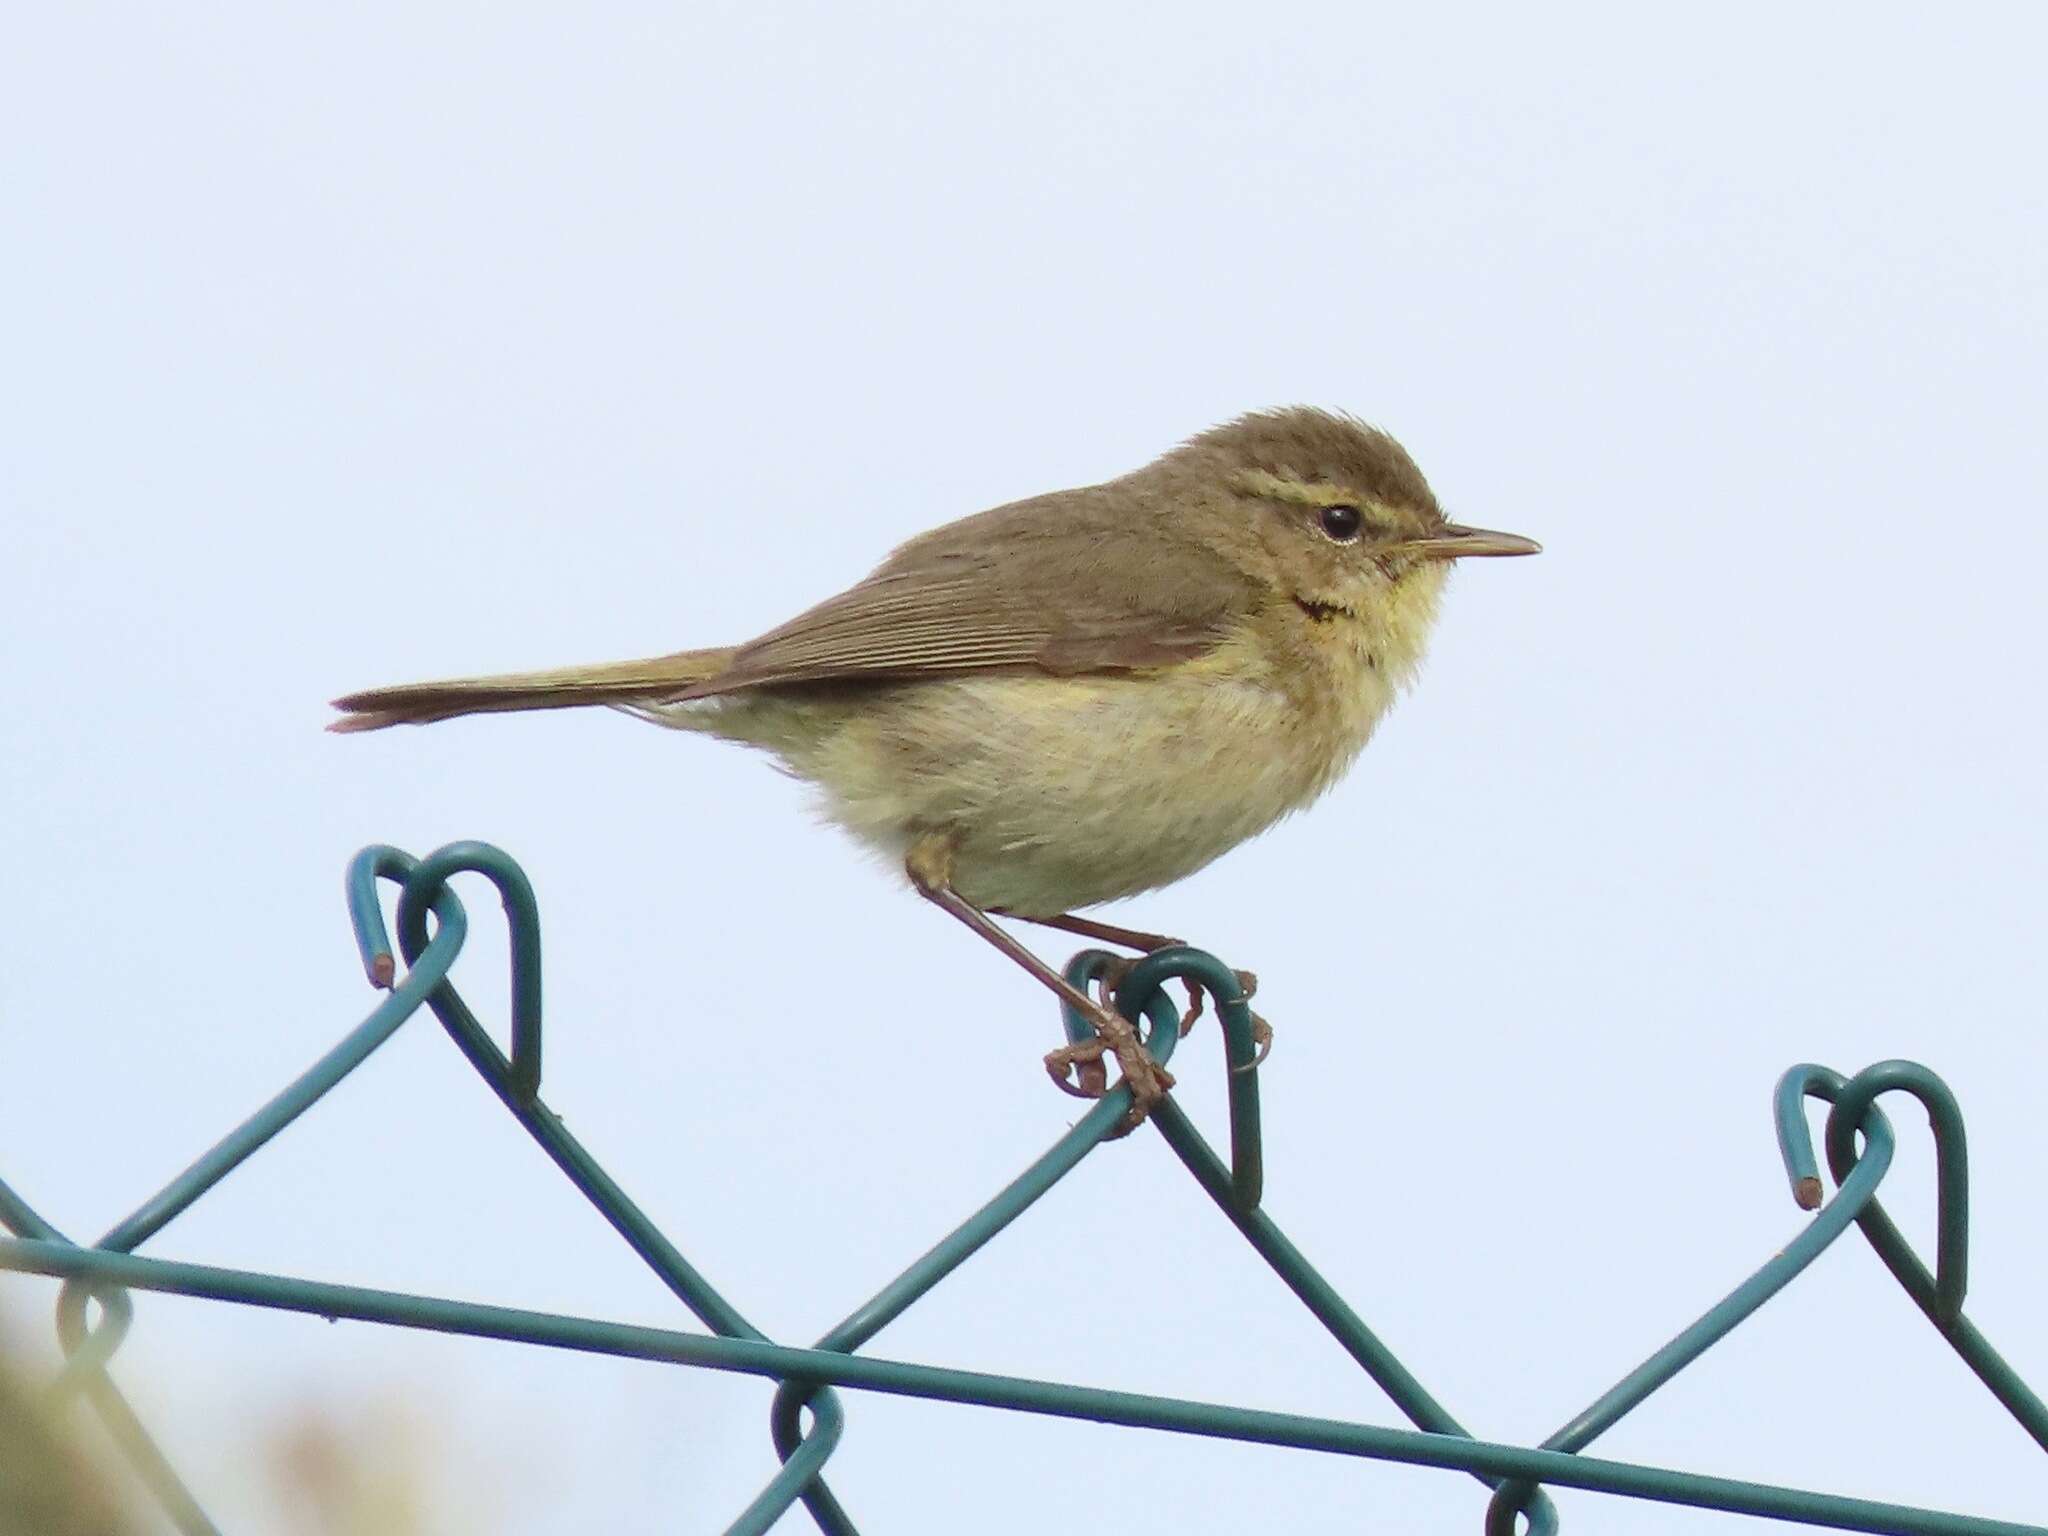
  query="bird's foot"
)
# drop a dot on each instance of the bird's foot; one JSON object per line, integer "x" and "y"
{"x": 1083, "y": 1070}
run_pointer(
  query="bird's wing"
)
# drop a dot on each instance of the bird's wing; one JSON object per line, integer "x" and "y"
{"x": 1063, "y": 584}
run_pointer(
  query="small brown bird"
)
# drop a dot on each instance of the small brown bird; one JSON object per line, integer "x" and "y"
{"x": 1081, "y": 696}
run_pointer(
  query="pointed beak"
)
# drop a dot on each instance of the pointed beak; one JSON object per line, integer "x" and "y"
{"x": 1456, "y": 542}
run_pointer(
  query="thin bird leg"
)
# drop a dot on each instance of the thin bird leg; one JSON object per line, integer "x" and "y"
{"x": 929, "y": 865}
{"x": 1144, "y": 943}
{"x": 1106, "y": 933}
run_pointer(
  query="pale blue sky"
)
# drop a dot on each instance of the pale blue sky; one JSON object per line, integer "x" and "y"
{"x": 348, "y": 347}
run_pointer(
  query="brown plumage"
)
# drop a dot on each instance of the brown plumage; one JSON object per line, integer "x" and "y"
{"x": 1110, "y": 578}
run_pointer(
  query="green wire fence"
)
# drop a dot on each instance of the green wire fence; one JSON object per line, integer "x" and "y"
{"x": 807, "y": 1416}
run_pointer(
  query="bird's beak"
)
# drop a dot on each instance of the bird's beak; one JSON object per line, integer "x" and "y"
{"x": 1456, "y": 542}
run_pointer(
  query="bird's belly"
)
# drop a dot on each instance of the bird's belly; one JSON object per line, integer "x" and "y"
{"x": 1060, "y": 793}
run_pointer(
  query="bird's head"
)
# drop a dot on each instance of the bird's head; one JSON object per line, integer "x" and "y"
{"x": 1334, "y": 516}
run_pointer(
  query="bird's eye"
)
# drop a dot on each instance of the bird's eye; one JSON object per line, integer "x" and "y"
{"x": 1342, "y": 523}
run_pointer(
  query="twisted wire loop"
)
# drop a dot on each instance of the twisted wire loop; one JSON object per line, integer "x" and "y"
{"x": 1940, "y": 1295}
{"x": 1179, "y": 962}
{"x": 1853, "y": 1114}
{"x": 807, "y": 1421}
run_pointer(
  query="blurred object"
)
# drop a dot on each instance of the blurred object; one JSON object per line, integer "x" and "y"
{"x": 363, "y": 1472}
{"x": 50, "y": 1483}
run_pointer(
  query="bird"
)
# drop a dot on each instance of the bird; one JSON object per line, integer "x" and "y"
{"x": 1080, "y": 696}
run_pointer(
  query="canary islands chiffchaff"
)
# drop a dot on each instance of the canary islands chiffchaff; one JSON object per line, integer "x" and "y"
{"x": 1079, "y": 696}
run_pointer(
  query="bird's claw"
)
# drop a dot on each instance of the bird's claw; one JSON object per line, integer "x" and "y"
{"x": 1081, "y": 1070}
{"x": 1262, "y": 1037}
{"x": 1248, "y": 983}
{"x": 1078, "y": 1069}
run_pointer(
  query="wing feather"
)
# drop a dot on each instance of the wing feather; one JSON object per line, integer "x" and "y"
{"x": 1076, "y": 582}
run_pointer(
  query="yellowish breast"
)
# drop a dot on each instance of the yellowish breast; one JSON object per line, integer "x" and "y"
{"x": 1064, "y": 792}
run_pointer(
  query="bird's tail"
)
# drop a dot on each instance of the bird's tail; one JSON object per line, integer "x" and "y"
{"x": 656, "y": 680}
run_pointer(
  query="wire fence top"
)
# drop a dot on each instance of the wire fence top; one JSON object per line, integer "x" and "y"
{"x": 808, "y": 1409}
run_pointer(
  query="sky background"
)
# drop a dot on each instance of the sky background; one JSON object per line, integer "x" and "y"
{"x": 349, "y": 347}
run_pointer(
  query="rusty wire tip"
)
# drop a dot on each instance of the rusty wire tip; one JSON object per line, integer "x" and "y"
{"x": 383, "y": 971}
{"x": 1806, "y": 1193}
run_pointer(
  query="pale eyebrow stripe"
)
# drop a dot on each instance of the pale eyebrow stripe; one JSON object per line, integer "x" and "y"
{"x": 1307, "y": 493}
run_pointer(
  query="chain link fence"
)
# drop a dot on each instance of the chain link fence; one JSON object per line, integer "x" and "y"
{"x": 94, "y": 1310}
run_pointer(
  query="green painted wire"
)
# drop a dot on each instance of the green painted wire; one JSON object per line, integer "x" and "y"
{"x": 1019, "y": 1394}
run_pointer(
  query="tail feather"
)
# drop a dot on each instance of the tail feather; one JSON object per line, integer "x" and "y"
{"x": 654, "y": 680}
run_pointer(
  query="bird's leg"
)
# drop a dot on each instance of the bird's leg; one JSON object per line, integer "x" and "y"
{"x": 1145, "y": 943}
{"x": 1106, "y": 933}
{"x": 1077, "y": 1069}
